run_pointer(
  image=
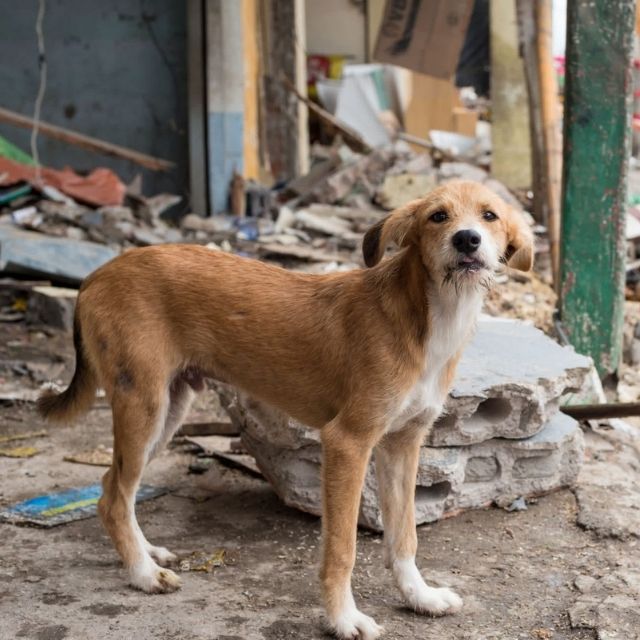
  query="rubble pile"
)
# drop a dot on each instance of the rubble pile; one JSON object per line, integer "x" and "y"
{"x": 315, "y": 222}
{"x": 501, "y": 436}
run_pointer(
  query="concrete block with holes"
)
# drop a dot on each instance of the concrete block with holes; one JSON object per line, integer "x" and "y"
{"x": 501, "y": 436}
{"x": 508, "y": 384}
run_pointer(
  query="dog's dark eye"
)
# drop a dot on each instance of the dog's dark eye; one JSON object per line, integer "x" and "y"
{"x": 439, "y": 216}
{"x": 489, "y": 215}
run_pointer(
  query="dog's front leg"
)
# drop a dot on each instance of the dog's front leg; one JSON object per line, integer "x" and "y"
{"x": 397, "y": 457}
{"x": 346, "y": 454}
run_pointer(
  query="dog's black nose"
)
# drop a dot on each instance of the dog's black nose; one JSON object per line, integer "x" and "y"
{"x": 466, "y": 241}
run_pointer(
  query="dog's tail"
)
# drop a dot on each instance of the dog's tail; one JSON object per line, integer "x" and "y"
{"x": 78, "y": 397}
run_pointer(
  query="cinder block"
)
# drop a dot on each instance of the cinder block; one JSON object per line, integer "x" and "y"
{"x": 508, "y": 384}
{"x": 449, "y": 479}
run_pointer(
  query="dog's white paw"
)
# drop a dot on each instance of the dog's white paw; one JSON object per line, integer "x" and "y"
{"x": 435, "y": 602}
{"x": 419, "y": 596}
{"x": 161, "y": 555}
{"x": 352, "y": 624}
{"x": 151, "y": 578}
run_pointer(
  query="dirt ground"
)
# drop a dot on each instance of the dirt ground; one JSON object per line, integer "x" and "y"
{"x": 520, "y": 573}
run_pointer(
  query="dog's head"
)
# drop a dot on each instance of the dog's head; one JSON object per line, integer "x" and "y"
{"x": 463, "y": 231}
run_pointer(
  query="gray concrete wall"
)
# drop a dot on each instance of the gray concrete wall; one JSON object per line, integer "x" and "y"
{"x": 117, "y": 70}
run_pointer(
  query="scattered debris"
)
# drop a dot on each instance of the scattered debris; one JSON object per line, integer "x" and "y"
{"x": 52, "y": 306}
{"x": 208, "y": 429}
{"x": 101, "y": 187}
{"x": 101, "y": 456}
{"x": 519, "y": 504}
{"x": 229, "y": 450}
{"x": 23, "y": 436}
{"x": 609, "y": 605}
{"x": 18, "y": 452}
{"x": 205, "y": 562}
{"x": 36, "y": 255}
{"x": 54, "y": 509}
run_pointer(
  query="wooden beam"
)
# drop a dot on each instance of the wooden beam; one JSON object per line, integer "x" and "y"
{"x": 510, "y": 134}
{"x": 351, "y": 136}
{"x": 534, "y": 19}
{"x": 86, "y": 142}
{"x": 597, "y": 139}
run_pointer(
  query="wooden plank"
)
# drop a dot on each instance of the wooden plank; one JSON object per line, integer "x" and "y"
{"x": 596, "y": 157}
{"x": 251, "y": 136}
{"x": 300, "y": 44}
{"x": 534, "y": 18}
{"x": 351, "y": 137}
{"x": 86, "y": 142}
{"x": 510, "y": 135}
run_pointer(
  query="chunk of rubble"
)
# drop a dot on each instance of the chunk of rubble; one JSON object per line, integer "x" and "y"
{"x": 397, "y": 190}
{"x": 610, "y": 605}
{"x": 508, "y": 384}
{"x": 52, "y": 306}
{"x": 502, "y": 435}
{"x": 450, "y": 479}
{"x": 59, "y": 259}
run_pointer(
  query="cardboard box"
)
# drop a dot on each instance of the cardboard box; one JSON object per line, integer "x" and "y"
{"x": 424, "y": 35}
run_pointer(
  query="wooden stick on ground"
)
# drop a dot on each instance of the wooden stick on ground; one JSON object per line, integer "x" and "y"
{"x": 86, "y": 142}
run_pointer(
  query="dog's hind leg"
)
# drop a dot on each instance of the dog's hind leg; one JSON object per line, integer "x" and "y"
{"x": 345, "y": 456}
{"x": 181, "y": 396}
{"x": 139, "y": 417}
{"x": 397, "y": 457}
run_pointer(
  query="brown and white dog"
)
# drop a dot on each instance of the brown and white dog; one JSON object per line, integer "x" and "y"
{"x": 367, "y": 356}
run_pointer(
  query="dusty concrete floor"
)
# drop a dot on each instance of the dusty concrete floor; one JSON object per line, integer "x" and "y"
{"x": 516, "y": 571}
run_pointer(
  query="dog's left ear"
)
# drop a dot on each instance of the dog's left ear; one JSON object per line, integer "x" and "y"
{"x": 398, "y": 227}
{"x": 519, "y": 253}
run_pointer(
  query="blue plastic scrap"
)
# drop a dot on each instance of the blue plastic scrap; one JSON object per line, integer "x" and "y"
{"x": 54, "y": 509}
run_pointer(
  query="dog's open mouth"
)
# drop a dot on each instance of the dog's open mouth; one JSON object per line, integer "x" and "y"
{"x": 469, "y": 264}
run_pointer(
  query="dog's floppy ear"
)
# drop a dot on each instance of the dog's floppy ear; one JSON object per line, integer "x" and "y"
{"x": 397, "y": 227}
{"x": 519, "y": 253}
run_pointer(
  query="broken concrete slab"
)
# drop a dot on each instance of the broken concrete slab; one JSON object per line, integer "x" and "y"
{"x": 450, "y": 479}
{"x": 608, "y": 490}
{"x": 609, "y": 605}
{"x": 52, "y": 306}
{"x": 60, "y": 259}
{"x": 508, "y": 384}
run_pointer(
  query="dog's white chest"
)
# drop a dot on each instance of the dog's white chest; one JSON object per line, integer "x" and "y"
{"x": 451, "y": 324}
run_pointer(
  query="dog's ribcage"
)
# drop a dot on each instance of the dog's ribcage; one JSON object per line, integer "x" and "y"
{"x": 452, "y": 319}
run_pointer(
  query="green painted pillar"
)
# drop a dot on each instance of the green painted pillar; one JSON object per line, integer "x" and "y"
{"x": 596, "y": 152}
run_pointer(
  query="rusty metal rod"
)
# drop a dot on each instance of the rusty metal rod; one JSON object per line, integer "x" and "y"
{"x": 602, "y": 411}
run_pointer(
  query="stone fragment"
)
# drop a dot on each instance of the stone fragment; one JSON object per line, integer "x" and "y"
{"x": 462, "y": 171}
{"x": 610, "y": 606}
{"x": 52, "y": 306}
{"x": 326, "y": 224}
{"x": 397, "y": 190}
{"x": 584, "y": 583}
{"x": 508, "y": 384}
{"x": 608, "y": 491}
{"x": 60, "y": 259}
